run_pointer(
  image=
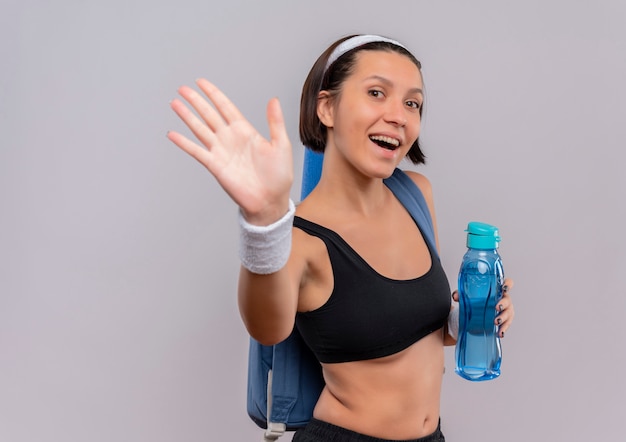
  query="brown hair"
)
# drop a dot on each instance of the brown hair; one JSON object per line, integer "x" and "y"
{"x": 312, "y": 132}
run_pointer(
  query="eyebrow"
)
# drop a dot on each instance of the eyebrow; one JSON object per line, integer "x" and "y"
{"x": 388, "y": 82}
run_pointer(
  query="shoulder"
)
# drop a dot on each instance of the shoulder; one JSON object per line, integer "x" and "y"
{"x": 425, "y": 187}
{"x": 422, "y": 182}
{"x": 306, "y": 248}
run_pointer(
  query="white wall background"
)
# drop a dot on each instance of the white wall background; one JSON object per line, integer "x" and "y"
{"x": 118, "y": 319}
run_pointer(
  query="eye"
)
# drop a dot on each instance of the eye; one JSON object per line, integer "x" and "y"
{"x": 375, "y": 93}
{"x": 413, "y": 104}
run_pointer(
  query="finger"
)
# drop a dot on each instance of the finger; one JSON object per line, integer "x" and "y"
{"x": 455, "y": 295}
{"x": 503, "y": 304}
{"x": 503, "y": 328}
{"x": 504, "y": 320}
{"x": 505, "y": 317}
{"x": 276, "y": 122}
{"x": 507, "y": 285}
{"x": 224, "y": 106}
{"x": 502, "y": 325}
{"x": 204, "y": 134}
{"x": 203, "y": 156}
{"x": 210, "y": 116}
{"x": 505, "y": 300}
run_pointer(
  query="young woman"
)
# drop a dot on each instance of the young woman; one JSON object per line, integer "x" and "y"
{"x": 351, "y": 269}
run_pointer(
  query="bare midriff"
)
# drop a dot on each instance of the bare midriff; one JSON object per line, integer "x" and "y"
{"x": 395, "y": 397}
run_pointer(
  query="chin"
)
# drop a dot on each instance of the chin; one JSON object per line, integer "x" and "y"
{"x": 383, "y": 171}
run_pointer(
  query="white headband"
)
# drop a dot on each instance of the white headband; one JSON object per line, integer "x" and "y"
{"x": 355, "y": 42}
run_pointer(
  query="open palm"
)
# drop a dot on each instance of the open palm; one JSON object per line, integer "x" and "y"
{"x": 255, "y": 172}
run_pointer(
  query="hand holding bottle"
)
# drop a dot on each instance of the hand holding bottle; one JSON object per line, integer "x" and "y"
{"x": 504, "y": 310}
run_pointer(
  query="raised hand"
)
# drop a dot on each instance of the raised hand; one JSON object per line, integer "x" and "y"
{"x": 256, "y": 173}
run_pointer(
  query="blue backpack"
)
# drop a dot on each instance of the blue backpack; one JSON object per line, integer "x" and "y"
{"x": 285, "y": 380}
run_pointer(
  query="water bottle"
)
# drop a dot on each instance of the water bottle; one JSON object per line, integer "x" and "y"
{"x": 478, "y": 350}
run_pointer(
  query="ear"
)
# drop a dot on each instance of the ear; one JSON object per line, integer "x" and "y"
{"x": 325, "y": 109}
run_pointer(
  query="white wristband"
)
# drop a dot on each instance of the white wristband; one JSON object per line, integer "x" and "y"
{"x": 453, "y": 320}
{"x": 266, "y": 249}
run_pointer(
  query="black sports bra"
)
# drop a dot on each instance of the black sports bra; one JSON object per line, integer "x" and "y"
{"x": 369, "y": 315}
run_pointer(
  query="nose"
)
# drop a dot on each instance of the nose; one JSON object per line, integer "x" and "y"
{"x": 396, "y": 113}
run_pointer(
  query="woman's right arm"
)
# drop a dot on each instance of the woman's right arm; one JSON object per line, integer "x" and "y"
{"x": 257, "y": 174}
{"x": 268, "y": 304}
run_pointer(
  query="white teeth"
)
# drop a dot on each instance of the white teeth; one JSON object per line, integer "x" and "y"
{"x": 388, "y": 140}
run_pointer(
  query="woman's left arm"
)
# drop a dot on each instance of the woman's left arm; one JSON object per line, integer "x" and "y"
{"x": 505, "y": 310}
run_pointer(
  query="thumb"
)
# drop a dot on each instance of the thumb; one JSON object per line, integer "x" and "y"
{"x": 455, "y": 295}
{"x": 278, "y": 132}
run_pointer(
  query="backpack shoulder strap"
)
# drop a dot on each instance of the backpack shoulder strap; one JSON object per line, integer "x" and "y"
{"x": 411, "y": 197}
{"x": 282, "y": 387}
{"x": 296, "y": 383}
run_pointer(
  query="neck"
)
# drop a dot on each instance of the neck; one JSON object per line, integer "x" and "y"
{"x": 347, "y": 188}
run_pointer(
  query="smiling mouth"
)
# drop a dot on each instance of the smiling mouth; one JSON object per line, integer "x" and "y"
{"x": 385, "y": 142}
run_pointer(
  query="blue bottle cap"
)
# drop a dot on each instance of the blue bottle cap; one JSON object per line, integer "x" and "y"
{"x": 482, "y": 236}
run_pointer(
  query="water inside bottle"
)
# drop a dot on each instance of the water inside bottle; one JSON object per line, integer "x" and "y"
{"x": 478, "y": 351}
